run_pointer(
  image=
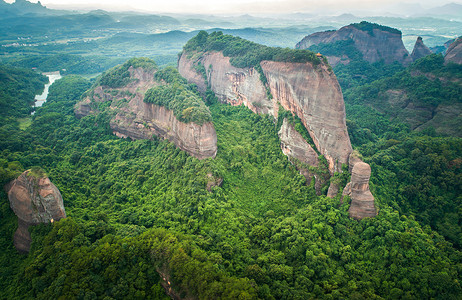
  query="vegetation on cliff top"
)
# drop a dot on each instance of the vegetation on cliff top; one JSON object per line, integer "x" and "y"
{"x": 184, "y": 100}
{"x": 119, "y": 76}
{"x": 244, "y": 53}
{"x": 369, "y": 27}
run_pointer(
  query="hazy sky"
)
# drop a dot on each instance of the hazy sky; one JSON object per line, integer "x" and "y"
{"x": 244, "y": 6}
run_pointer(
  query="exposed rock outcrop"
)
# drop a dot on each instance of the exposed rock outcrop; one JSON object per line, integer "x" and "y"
{"x": 375, "y": 42}
{"x": 362, "y": 200}
{"x": 311, "y": 92}
{"x": 231, "y": 85}
{"x": 300, "y": 153}
{"x": 34, "y": 199}
{"x": 420, "y": 50}
{"x": 314, "y": 95}
{"x": 454, "y": 53}
{"x": 140, "y": 120}
{"x": 295, "y": 146}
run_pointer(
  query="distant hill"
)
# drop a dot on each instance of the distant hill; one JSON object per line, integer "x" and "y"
{"x": 367, "y": 41}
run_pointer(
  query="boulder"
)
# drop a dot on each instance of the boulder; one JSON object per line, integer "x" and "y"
{"x": 34, "y": 199}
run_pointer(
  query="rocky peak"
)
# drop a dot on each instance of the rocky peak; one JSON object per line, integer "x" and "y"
{"x": 375, "y": 42}
{"x": 34, "y": 199}
{"x": 362, "y": 200}
{"x": 420, "y": 50}
{"x": 454, "y": 53}
{"x": 307, "y": 90}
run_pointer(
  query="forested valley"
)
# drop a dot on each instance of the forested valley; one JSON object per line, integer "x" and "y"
{"x": 147, "y": 220}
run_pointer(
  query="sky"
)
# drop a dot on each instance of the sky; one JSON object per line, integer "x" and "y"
{"x": 247, "y": 6}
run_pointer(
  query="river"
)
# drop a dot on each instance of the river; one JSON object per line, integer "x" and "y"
{"x": 52, "y": 77}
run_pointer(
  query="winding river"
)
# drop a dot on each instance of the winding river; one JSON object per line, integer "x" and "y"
{"x": 52, "y": 77}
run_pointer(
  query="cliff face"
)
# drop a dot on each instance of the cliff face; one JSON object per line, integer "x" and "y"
{"x": 34, "y": 200}
{"x": 312, "y": 93}
{"x": 454, "y": 53}
{"x": 140, "y": 120}
{"x": 420, "y": 50}
{"x": 231, "y": 85}
{"x": 374, "y": 45}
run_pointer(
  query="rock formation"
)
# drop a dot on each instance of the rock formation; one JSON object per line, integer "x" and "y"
{"x": 34, "y": 200}
{"x": 375, "y": 42}
{"x": 231, "y": 85}
{"x": 140, "y": 120}
{"x": 420, "y": 50}
{"x": 310, "y": 92}
{"x": 295, "y": 146}
{"x": 300, "y": 153}
{"x": 362, "y": 200}
{"x": 454, "y": 53}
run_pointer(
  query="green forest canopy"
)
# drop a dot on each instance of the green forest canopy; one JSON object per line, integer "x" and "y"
{"x": 244, "y": 53}
{"x": 137, "y": 208}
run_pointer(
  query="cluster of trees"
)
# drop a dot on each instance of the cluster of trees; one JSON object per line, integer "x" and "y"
{"x": 416, "y": 173}
{"x": 18, "y": 88}
{"x": 369, "y": 27}
{"x": 120, "y": 76}
{"x": 139, "y": 211}
{"x": 183, "y": 99}
{"x": 244, "y": 53}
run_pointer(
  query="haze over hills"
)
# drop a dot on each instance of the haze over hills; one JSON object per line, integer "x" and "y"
{"x": 202, "y": 156}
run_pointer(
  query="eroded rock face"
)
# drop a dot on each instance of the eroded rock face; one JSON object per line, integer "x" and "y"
{"x": 312, "y": 93}
{"x": 420, "y": 50}
{"x": 140, "y": 120}
{"x": 231, "y": 85}
{"x": 295, "y": 146}
{"x": 34, "y": 200}
{"x": 381, "y": 44}
{"x": 297, "y": 149}
{"x": 454, "y": 53}
{"x": 362, "y": 200}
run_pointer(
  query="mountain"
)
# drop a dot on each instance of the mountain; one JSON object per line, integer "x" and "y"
{"x": 373, "y": 42}
{"x": 277, "y": 80}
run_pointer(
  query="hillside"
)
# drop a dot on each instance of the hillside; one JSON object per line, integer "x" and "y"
{"x": 140, "y": 216}
{"x": 147, "y": 102}
{"x": 427, "y": 95}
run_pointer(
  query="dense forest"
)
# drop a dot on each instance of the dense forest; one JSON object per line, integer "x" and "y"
{"x": 140, "y": 215}
{"x": 245, "y": 53}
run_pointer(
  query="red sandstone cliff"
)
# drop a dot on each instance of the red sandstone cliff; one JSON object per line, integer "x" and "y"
{"x": 454, "y": 53}
{"x": 379, "y": 43}
{"x": 139, "y": 120}
{"x": 34, "y": 200}
{"x": 312, "y": 93}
